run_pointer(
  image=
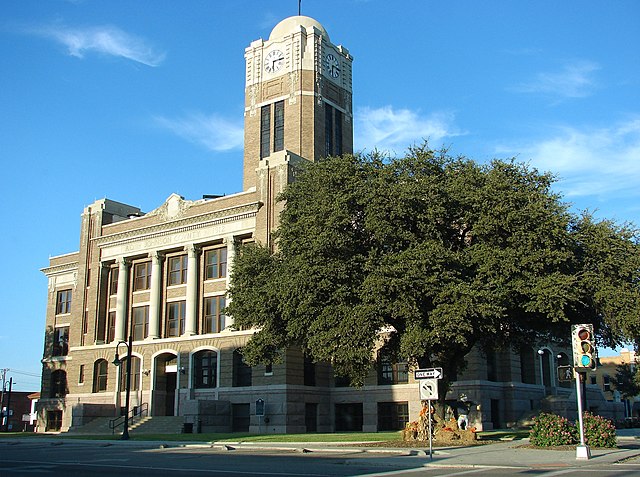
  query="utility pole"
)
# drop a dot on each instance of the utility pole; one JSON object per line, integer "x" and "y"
{"x": 4, "y": 377}
{"x": 6, "y": 426}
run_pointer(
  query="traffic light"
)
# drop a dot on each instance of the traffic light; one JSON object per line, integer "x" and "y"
{"x": 584, "y": 349}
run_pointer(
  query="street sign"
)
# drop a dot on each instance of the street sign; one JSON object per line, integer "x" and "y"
{"x": 565, "y": 373}
{"x": 429, "y": 389}
{"x": 428, "y": 373}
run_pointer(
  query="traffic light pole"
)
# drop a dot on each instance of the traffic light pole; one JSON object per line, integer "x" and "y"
{"x": 582, "y": 451}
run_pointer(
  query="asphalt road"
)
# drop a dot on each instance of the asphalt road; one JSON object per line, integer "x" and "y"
{"x": 95, "y": 459}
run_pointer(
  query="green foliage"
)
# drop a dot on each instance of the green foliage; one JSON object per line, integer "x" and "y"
{"x": 626, "y": 381}
{"x": 552, "y": 430}
{"x": 598, "y": 431}
{"x": 442, "y": 251}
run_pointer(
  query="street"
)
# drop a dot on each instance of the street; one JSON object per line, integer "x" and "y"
{"x": 98, "y": 458}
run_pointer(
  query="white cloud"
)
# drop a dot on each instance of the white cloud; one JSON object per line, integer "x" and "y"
{"x": 108, "y": 40}
{"x": 212, "y": 132}
{"x": 387, "y": 129}
{"x": 602, "y": 162}
{"x": 575, "y": 80}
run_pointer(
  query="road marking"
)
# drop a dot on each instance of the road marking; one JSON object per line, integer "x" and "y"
{"x": 427, "y": 469}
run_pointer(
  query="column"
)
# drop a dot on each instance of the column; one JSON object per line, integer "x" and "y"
{"x": 154, "y": 295}
{"x": 231, "y": 254}
{"x": 191, "y": 327}
{"x": 121, "y": 299}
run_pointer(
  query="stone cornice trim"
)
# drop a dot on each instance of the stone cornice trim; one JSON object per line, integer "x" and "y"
{"x": 65, "y": 267}
{"x": 184, "y": 224}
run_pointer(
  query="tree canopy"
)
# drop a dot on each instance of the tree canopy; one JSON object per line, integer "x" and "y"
{"x": 442, "y": 253}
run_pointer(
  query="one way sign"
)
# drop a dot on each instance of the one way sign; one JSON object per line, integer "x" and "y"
{"x": 428, "y": 373}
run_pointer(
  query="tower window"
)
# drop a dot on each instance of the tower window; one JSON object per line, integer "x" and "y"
{"x": 278, "y": 126}
{"x": 328, "y": 130}
{"x": 338, "y": 132}
{"x": 265, "y": 131}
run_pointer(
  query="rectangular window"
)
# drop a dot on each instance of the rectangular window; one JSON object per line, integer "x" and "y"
{"x": 178, "y": 270}
{"x": 328, "y": 130}
{"x": 606, "y": 383}
{"x": 81, "y": 374}
{"x": 175, "y": 318}
{"x": 338, "y": 132}
{"x": 142, "y": 276}
{"x": 265, "y": 131}
{"x": 111, "y": 327}
{"x": 214, "y": 319}
{"x": 215, "y": 263}
{"x": 392, "y": 416}
{"x": 61, "y": 341}
{"x": 278, "y": 126}
{"x": 140, "y": 319}
{"x": 390, "y": 372}
{"x": 113, "y": 281}
{"x": 63, "y": 302}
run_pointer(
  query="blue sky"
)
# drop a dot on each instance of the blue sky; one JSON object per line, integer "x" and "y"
{"x": 136, "y": 100}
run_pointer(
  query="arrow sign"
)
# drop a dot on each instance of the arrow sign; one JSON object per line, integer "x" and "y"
{"x": 428, "y": 373}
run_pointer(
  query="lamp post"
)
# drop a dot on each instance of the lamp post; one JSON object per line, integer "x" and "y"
{"x": 117, "y": 362}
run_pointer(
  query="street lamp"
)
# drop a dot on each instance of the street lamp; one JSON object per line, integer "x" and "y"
{"x": 117, "y": 362}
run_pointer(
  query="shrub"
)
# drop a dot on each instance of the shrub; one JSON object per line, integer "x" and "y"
{"x": 598, "y": 431}
{"x": 552, "y": 430}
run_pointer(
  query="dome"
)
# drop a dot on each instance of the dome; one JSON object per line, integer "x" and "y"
{"x": 291, "y": 24}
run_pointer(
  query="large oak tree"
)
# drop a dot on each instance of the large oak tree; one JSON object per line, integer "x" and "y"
{"x": 438, "y": 253}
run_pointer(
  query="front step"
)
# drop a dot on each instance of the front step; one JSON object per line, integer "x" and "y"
{"x": 144, "y": 425}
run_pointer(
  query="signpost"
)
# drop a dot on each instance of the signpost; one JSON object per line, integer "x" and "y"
{"x": 428, "y": 380}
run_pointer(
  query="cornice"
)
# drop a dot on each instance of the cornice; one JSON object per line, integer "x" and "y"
{"x": 184, "y": 224}
{"x": 65, "y": 267}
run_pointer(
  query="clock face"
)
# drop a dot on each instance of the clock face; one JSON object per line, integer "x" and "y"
{"x": 273, "y": 61}
{"x": 333, "y": 66}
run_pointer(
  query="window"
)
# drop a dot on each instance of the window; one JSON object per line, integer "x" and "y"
{"x": 178, "y": 270}
{"x": 63, "y": 302}
{"x": 328, "y": 130}
{"x": 54, "y": 420}
{"x": 81, "y": 374}
{"x": 241, "y": 370}
{"x": 606, "y": 383}
{"x": 278, "y": 126}
{"x": 309, "y": 372}
{"x": 594, "y": 379}
{"x": 111, "y": 327}
{"x": 135, "y": 374}
{"x": 348, "y": 417}
{"x": 142, "y": 276}
{"x": 265, "y": 131}
{"x": 390, "y": 372}
{"x": 100, "y": 372}
{"x": 214, "y": 319}
{"x": 113, "y": 281}
{"x": 392, "y": 416}
{"x": 215, "y": 263}
{"x": 175, "y": 318}
{"x": 58, "y": 388}
{"x": 61, "y": 341}
{"x": 338, "y": 132}
{"x": 140, "y": 319}
{"x": 205, "y": 369}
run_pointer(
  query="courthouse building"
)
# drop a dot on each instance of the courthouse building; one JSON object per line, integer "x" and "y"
{"x": 161, "y": 277}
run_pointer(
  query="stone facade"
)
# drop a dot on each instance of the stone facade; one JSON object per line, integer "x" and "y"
{"x": 161, "y": 277}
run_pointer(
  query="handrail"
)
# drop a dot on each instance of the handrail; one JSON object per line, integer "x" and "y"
{"x": 137, "y": 411}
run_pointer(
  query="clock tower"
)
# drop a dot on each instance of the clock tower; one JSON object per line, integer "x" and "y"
{"x": 298, "y": 102}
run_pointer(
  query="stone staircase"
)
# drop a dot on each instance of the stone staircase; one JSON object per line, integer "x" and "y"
{"x": 144, "y": 425}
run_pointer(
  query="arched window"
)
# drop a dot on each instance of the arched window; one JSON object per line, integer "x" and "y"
{"x": 100, "y": 372}
{"x": 58, "y": 386}
{"x": 241, "y": 370}
{"x": 205, "y": 369}
{"x": 135, "y": 374}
